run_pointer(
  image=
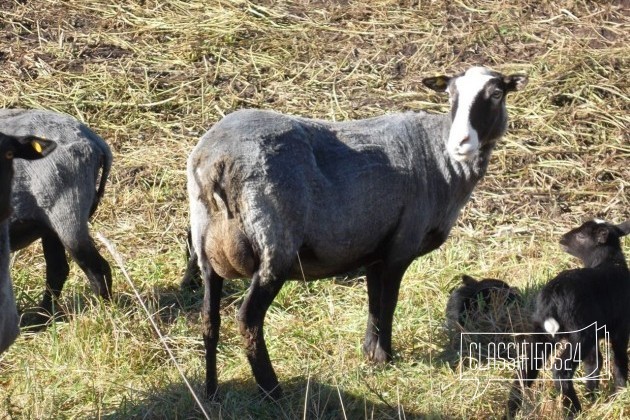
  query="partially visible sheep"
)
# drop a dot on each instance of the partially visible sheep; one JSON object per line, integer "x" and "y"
{"x": 54, "y": 198}
{"x": 576, "y": 299}
{"x": 276, "y": 197}
{"x": 475, "y": 296}
{"x": 11, "y": 147}
{"x": 482, "y": 312}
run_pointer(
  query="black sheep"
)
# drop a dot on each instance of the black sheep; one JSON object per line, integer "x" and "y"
{"x": 576, "y": 299}
{"x": 475, "y": 295}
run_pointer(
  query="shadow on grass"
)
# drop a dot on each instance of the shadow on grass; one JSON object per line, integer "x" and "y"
{"x": 241, "y": 400}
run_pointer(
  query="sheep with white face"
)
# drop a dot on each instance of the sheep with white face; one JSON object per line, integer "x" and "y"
{"x": 276, "y": 197}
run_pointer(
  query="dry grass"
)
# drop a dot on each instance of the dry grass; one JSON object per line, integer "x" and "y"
{"x": 152, "y": 76}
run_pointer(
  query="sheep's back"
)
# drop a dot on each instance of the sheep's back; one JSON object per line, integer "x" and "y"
{"x": 340, "y": 189}
{"x": 577, "y": 298}
{"x": 66, "y": 179}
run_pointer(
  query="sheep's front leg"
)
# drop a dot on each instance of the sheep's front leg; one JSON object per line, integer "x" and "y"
{"x": 191, "y": 280}
{"x": 57, "y": 270}
{"x": 251, "y": 317}
{"x": 211, "y": 316}
{"x": 373, "y": 278}
{"x": 383, "y": 287}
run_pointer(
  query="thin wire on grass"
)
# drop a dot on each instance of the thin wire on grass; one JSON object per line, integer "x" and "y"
{"x": 118, "y": 258}
{"x": 308, "y": 383}
{"x": 343, "y": 409}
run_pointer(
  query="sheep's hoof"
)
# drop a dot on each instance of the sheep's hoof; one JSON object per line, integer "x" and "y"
{"x": 369, "y": 347}
{"x": 378, "y": 356}
{"x": 189, "y": 285}
{"x": 381, "y": 356}
{"x": 40, "y": 320}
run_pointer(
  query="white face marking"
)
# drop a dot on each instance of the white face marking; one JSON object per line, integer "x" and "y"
{"x": 599, "y": 221}
{"x": 463, "y": 140}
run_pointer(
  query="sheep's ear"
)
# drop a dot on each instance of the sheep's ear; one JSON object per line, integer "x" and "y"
{"x": 601, "y": 234}
{"x": 624, "y": 227}
{"x": 437, "y": 83}
{"x": 468, "y": 281}
{"x": 515, "y": 82}
{"x": 31, "y": 147}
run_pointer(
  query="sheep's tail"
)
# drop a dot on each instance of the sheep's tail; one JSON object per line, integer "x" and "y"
{"x": 551, "y": 326}
{"x": 106, "y": 166}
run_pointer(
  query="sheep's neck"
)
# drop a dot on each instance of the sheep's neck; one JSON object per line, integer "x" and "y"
{"x": 605, "y": 256}
{"x": 475, "y": 168}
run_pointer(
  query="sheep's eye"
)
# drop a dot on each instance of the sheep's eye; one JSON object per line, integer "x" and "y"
{"x": 8, "y": 154}
{"x": 581, "y": 236}
{"x": 497, "y": 94}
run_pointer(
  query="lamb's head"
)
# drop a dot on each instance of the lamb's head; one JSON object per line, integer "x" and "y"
{"x": 478, "y": 113}
{"x": 594, "y": 241}
{"x": 24, "y": 147}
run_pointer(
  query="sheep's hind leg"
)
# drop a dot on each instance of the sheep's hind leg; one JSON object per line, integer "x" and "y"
{"x": 251, "y": 317}
{"x": 563, "y": 375}
{"x": 211, "y": 315}
{"x": 82, "y": 250}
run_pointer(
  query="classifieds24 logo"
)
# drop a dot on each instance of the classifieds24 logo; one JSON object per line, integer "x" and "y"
{"x": 487, "y": 356}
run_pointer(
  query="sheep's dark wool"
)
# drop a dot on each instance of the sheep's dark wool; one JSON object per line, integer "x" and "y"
{"x": 276, "y": 197}
{"x": 54, "y": 198}
{"x": 11, "y": 147}
{"x": 9, "y": 318}
{"x": 466, "y": 299}
{"x": 576, "y": 299}
{"x": 479, "y": 313}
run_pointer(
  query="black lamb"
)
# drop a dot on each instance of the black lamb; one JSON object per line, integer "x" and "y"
{"x": 474, "y": 296}
{"x": 576, "y": 299}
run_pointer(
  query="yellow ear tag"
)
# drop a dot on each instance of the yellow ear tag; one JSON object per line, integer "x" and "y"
{"x": 440, "y": 82}
{"x": 36, "y": 146}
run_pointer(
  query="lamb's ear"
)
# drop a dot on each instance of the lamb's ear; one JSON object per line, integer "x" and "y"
{"x": 515, "y": 82}
{"x": 437, "y": 83}
{"x": 601, "y": 234}
{"x": 31, "y": 147}
{"x": 468, "y": 281}
{"x": 624, "y": 227}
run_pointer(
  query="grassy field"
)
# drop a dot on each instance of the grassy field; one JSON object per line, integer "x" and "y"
{"x": 151, "y": 76}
